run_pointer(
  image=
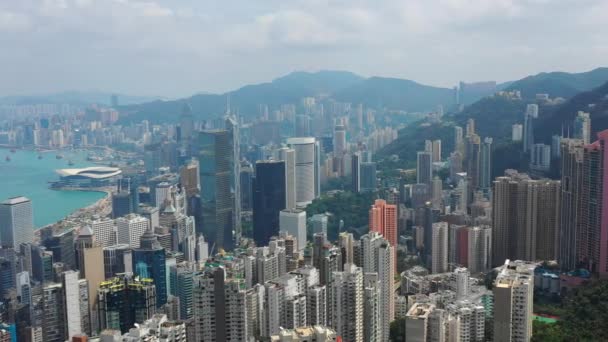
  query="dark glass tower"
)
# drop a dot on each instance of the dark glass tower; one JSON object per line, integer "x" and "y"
{"x": 149, "y": 262}
{"x": 268, "y": 199}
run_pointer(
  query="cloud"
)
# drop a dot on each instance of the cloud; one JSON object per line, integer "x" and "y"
{"x": 169, "y": 47}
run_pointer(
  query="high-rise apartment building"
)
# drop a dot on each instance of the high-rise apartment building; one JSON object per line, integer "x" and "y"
{"x": 347, "y": 303}
{"x": 356, "y": 172}
{"x": 572, "y": 153}
{"x": 417, "y": 321}
{"x": 529, "y": 118}
{"x": 383, "y": 220}
{"x": 513, "y": 302}
{"x": 16, "y": 222}
{"x": 268, "y": 199}
{"x": 439, "y": 259}
{"x": 485, "y": 165}
{"x": 525, "y": 218}
{"x": 582, "y": 127}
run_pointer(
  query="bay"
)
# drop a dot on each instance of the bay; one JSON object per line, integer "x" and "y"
{"x": 26, "y": 175}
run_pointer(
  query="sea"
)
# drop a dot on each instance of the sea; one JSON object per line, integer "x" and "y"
{"x": 27, "y": 175}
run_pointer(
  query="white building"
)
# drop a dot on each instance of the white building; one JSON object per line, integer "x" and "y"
{"x": 130, "y": 228}
{"x": 16, "y": 222}
{"x": 293, "y": 222}
{"x": 305, "y": 169}
{"x": 347, "y": 303}
{"x": 517, "y": 132}
{"x": 104, "y": 232}
{"x": 288, "y": 155}
{"x": 513, "y": 302}
{"x": 71, "y": 296}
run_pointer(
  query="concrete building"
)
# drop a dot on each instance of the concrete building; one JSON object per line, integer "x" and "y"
{"x": 439, "y": 259}
{"x": 319, "y": 223}
{"x": 347, "y": 303}
{"x": 424, "y": 168}
{"x": 305, "y": 169}
{"x": 293, "y": 222}
{"x": 582, "y": 127}
{"x": 417, "y": 322}
{"x": 16, "y": 222}
{"x": 288, "y": 155}
{"x": 130, "y": 228}
{"x": 383, "y": 220}
{"x": 513, "y": 302}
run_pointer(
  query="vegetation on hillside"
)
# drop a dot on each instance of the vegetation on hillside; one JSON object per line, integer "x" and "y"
{"x": 350, "y": 207}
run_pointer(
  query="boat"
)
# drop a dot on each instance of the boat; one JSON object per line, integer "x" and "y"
{"x": 8, "y": 158}
{"x": 13, "y": 150}
{"x": 40, "y": 156}
{"x": 59, "y": 156}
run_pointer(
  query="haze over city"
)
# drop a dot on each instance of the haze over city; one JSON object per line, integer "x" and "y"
{"x": 179, "y": 48}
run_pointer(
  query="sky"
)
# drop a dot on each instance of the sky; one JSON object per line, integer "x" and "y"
{"x": 176, "y": 48}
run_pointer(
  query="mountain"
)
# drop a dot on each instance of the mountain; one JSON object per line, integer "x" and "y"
{"x": 81, "y": 98}
{"x": 396, "y": 93}
{"x": 560, "y": 84}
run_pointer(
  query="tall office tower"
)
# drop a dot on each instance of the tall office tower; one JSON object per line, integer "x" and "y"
{"x": 247, "y": 187}
{"x": 130, "y": 228}
{"x": 582, "y": 127}
{"x": 152, "y": 159}
{"x": 440, "y": 248}
{"x": 592, "y": 240}
{"x": 479, "y": 256}
{"x": 162, "y": 193}
{"x": 232, "y": 126}
{"x": 383, "y": 219}
{"x": 189, "y": 177}
{"x": 379, "y": 257}
{"x": 94, "y": 275}
{"x": 268, "y": 199}
{"x": 347, "y": 303}
{"x": 368, "y": 180}
{"x": 317, "y": 168}
{"x": 117, "y": 259}
{"x": 470, "y": 128}
{"x": 73, "y": 317}
{"x": 513, "y": 302}
{"x": 124, "y": 301}
{"x": 485, "y": 165}
{"x": 517, "y": 132}
{"x": 455, "y": 161}
{"x": 339, "y": 138}
{"x": 149, "y": 262}
{"x": 182, "y": 281}
{"x": 215, "y": 158}
{"x": 525, "y": 217}
{"x": 16, "y": 222}
{"x": 530, "y": 116}
{"x": 302, "y": 126}
{"x": 424, "y": 168}
{"x": 306, "y": 165}
{"x": 62, "y": 246}
{"x": 293, "y": 222}
{"x": 372, "y": 325}
{"x": 130, "y": 184}
{"x": 471, "y": 163}
{"x": 288, "y": 155}
{"x": 417, "y": 321}
{"x": 186, "y": 125}
{"x": 572, "y": 151}
{"x": 458, "y": 140}
{"x": 436, "y": 150}
{"x": 556, "y": 143}
{"x": 121, "y": 204}
{"x": 104, "y": 232}
{"x": 220, "y": 307}
{"x": 356, "y": 172}
{"x": 319, "y": 223}
{"x": 52, "y": 319}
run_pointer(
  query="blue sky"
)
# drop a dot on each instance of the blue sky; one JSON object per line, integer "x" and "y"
{"x": 180, "y": 47}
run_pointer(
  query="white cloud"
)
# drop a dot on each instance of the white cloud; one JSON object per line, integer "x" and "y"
{"x": 179, "y": 47}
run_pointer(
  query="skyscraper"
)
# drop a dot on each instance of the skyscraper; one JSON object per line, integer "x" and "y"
{"x": 234, "y": 140}
{"x": 16, "y": 222}
{"x": 530, "y": 116}
{"x": 440, "y": 248}
{"x": 347, "y": 303}
{"x": 215, "y": 158}
{"x": 268, "y": 199}
{"x": 368, "y": 178}
{"x": 424, "y": 169}
{"x": 306, "y": 173}
{"x": 339, "y": 139}
{"x": 288, "y": 155}
{"x": 513, "y": 302}
{"x": 582, "y": 127}
{"x": 356, "y": 172}
{"x": 571, "y": 195}
{"x": 186, "y": 124}
{"x": 485, "y": 165}
{"x": 149, "y": 262}
{"x": 130, "y": 228}
{"x": 189, "y": 178}
{"x": 436, "y": 150}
